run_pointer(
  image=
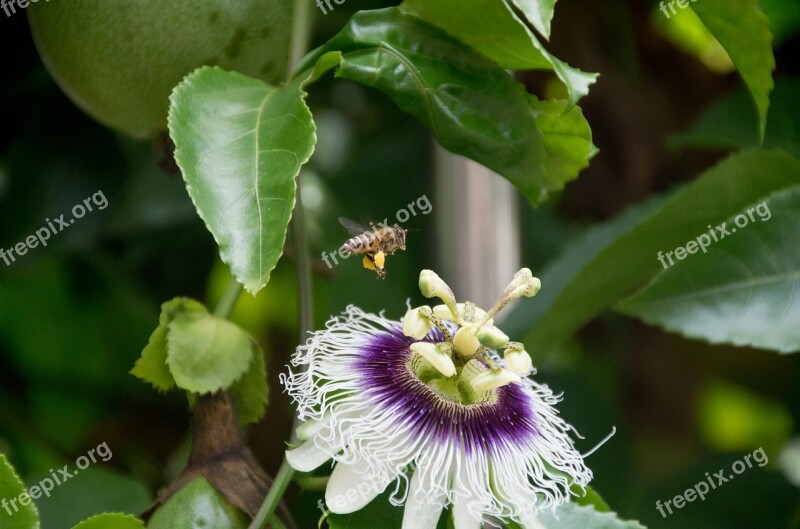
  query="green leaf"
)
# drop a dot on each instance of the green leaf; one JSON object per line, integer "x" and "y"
{"x": 16, "y": 515}
{"x": 152, "y": 365}
{"x": 567, "y": 140}
{"x": 732, "y": 122}
{"x": 472, "y": 105}
{"x": 111, "y": 521}
{"x": 493, "y": 29}
{"x": 538, "y": 12}
{"x": 742, "y": 290}
{"x": 614, "y": 259}
{"x": 574, "y": 516}
{"x": 687, "y": 32}
{"x": 198, "y": 506}
{"x": 592, "y": 498}
{"x": 240, "y": 143}
{"x": 743, "y": 30}
{"x": 205, "y": 353}
{"x": 251, "y": 392}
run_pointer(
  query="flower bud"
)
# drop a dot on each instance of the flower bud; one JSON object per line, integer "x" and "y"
{"x": 436, "y": 356}
{"x": 492, "y": 337}
{"x": 493, "y": 379}
{"x": 415, "y": 325}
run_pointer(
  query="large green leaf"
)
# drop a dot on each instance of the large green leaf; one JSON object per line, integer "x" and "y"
{"x": 492, "y": 28}
{"x": 240, "y": 143}
{"x": 743, "y": 290}
{"x": 612, "y": 261}
{"x": 470, "y": 103}
{"x": 743, "y": 30}
{"x": 15, "y": 515}
{"x": 111, "y": 521}
{"x": 574, "y": 516}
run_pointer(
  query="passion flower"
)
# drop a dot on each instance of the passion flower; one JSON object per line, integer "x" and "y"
{"x": 429, "y": 404}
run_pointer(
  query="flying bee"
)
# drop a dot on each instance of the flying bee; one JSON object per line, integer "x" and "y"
{"x": 374, "y": 243}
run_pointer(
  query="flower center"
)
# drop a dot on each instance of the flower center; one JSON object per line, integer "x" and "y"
{"x": 458, "y": 388}
{"x": 461, "y": 367}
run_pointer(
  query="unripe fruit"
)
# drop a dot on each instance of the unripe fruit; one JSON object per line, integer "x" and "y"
{"x": 198, "y": 506}
{"x": 119, "y": 59}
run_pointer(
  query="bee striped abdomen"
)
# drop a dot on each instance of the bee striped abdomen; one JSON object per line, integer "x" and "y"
{"x": 360, "y": 243}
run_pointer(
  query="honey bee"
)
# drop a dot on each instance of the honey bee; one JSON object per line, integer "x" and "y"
{"x": 374, "y": 243}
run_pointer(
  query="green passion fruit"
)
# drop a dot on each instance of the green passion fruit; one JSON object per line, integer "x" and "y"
{"x": 119, "y": 59}
{"x": 198, "y": 506}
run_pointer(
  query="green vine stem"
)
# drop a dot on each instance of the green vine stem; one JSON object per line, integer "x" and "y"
{"x": 227, "y": 302}
{"x": 300, "y": 36}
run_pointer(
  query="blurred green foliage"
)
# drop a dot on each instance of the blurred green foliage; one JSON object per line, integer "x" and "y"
{"x": 74, "y": 316}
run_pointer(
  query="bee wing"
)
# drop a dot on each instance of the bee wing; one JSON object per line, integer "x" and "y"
{"x": 352, "y": 227}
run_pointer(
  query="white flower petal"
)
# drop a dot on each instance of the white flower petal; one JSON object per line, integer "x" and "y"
{"x": 351, "y": 488}
{"x": 462, "y": 518}
{"x": 423, "y": 509}
{"x": 307, "y": 457}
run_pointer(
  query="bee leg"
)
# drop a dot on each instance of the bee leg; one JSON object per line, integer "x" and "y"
{"x": 368, "y": 262}
{"x": 380, "y": 264}
{"x": 375, "y": 262}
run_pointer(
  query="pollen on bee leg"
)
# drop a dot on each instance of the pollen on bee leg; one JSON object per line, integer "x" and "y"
{"x": 368, "y": 264}
{"x": 380, "y": 260}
